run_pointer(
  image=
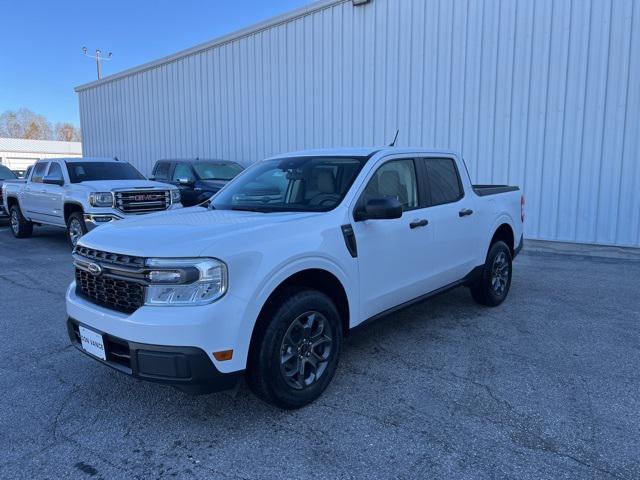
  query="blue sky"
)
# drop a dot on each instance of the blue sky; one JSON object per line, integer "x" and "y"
{"x": 41, "y": 59}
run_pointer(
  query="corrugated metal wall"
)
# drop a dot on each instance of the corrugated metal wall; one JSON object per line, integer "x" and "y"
{"x": 544, "y": 94}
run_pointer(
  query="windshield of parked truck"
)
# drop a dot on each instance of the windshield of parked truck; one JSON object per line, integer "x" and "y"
{"x": 6, "y": 174}
{"x": 216, "y": 170}
{"x": 305, "y": 184}
{"x": 89, "y": 171}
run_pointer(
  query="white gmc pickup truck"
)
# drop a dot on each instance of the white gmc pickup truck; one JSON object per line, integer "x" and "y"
{"x": 266, "y": 278}
{"x": 81, "y": 193}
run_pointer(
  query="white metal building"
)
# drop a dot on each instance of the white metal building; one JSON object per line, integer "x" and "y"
{"x": 18, "y": 153}
{"x": 544, "y": 94}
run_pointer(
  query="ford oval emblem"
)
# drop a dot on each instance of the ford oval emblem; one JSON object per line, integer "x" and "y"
{"x": 94, "y": 269}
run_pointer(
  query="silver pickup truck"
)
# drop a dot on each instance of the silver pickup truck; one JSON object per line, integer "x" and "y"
{"x": 82, "y": 193}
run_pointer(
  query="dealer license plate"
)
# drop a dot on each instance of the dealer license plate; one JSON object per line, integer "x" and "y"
{"x": 92, "y": 342}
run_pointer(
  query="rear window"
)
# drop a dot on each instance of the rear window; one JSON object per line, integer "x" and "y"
{"x": 161, "y": 171}
{"x": 443, "y": 180}
{"x": 90, "y": 171}
{"x": 6, "y": 174}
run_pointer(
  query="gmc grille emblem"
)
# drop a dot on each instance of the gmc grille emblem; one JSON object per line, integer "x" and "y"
{"x": 94, "y": 269}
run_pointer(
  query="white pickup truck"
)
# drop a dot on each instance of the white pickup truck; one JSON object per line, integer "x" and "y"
{"x": 81, "y": 193}
{"x": 266, "y": 279}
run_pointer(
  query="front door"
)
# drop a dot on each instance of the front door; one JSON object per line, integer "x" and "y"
{"x": 394, "y": 256}
{"x": 53, "y": 198}
{"x": 184, "y": 178}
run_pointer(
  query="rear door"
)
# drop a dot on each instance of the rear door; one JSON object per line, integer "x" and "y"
{"x": 32, "y": 198}
{"x": 452, "y": 218}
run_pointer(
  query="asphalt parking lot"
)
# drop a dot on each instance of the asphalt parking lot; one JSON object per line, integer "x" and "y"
{"x": 545, "y": 386}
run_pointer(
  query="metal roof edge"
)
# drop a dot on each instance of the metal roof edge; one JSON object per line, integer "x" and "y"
{"x": 244, "y": 32}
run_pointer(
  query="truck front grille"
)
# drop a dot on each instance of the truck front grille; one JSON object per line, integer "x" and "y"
{"x": 143, "y": 201}
{"x": 114, "y": 258}
{"x": 116, "y": 294}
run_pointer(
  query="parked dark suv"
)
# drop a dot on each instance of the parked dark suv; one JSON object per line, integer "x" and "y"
{"x": 197, "y": 179}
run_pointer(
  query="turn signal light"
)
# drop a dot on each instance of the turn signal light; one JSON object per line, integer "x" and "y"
{"x": 223, "y": 356}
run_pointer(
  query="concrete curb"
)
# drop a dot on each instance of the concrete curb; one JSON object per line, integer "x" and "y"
{"x": 582, "y": 249}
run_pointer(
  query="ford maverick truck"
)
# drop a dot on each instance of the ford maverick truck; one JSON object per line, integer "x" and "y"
{"x": 266, "y": 278}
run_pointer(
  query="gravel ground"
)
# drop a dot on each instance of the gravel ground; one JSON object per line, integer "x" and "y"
{"x": 545, "y": 386}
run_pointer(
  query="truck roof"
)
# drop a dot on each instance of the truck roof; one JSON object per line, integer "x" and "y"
{"x": 366, "y": 151}
{"x": 82, "y": 159}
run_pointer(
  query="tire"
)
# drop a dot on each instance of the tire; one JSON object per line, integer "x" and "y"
{"x": 493, "y": 286}
{"x": 76, "y": 228}
{"x": 281, "y": 344}
{"x": 20, "y": 226}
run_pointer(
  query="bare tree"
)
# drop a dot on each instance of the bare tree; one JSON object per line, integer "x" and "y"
{"x": 67, "y": 132}
{"x": 23, "y": 123}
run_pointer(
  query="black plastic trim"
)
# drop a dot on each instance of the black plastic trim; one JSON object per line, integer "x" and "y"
{"x": 350, "y": 239}
{"x": 486, "y": 190}
{"x": 187, "y": 368}
{"x": 519, "y": 248}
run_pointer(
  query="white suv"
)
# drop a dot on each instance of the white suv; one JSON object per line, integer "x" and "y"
{"x": 267, "y": 278}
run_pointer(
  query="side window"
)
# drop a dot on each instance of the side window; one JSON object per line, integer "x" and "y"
{"x": 38, "y": 172}
{"x": 55, "y": 171}
{"x": 182, "y": 171}
{"x": 395, "y": 179}
{"x": 161, "y": 171}
{"x": 443, "y": 181}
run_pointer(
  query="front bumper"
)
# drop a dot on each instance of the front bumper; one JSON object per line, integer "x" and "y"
{"x": 93, "y": 220}
{"x": 106, "y": 215}
{"x": 187, "y": 368}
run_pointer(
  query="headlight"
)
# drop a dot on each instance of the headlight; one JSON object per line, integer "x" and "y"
{"x": 101, "y": 199}
{"x": 175, "y": 196}
{"x": 191, "y": 281}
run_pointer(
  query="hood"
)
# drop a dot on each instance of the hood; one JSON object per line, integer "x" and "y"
{"x": 185, "y": 232}
{"x": 109, "y": 185}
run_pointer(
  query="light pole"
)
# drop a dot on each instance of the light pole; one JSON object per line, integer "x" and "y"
{"x": 98, "y": 57}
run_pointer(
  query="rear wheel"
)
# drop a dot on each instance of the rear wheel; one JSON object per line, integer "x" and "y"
{"x": 20, "y": 226}
{"x": 493, "y": 286}
{"x": 296, "y": 350}
{"x": 76, "y": 228}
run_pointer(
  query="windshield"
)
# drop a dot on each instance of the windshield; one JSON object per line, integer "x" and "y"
{"x": 6, "y": 174}
{"x": 216, "y": 170}
{"x": 88, "y": 171}
{"x": 307, "y": 184}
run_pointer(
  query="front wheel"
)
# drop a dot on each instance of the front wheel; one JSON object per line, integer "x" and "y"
{"x": 493, "y": 286}
{"x": 296, "y": 350}
{"x": 20, "y": 226}
{"x": 76, "y": 228}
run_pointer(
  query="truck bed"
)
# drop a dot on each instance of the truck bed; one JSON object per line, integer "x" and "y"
{"x": 484, "y": 190}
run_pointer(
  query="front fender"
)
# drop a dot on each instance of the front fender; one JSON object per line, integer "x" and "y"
{"x": 277, "y": 276}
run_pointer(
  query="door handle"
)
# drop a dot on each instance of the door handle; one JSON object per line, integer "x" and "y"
{"x": 418, "y": 223}
{"x": 465, "y": 212}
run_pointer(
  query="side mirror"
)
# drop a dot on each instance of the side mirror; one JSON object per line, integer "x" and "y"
{"x": 51, "y": 180}
{"x": 186, "y": 181}
{"x": 379, "y": 209}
